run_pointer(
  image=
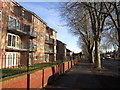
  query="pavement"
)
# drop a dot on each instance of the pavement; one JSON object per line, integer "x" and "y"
{"x": 84, "y": 76}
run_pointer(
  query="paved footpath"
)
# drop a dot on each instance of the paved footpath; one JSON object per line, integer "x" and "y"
{"x": 82, "y": 76}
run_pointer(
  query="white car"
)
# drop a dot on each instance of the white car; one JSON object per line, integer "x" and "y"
{"x": 108, "y": 57}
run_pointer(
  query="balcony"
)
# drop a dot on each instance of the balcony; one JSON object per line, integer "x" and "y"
{"x": 51, "y": 51}
{"x": 47, "y": 48}
{"x": 46, "y": 51}
{"x": 16, "y": 29}
{"x": 33, "y": 34}
{"x": 23, "y": 47}
{"x": 32, "y": 48}
{"x": 17, "y": 47}
{"x": 50, "y": 41}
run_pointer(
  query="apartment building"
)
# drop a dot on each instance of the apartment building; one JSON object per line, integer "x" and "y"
{"x": 69, "y": 54}
{"x": 61, "y": 50}
{"x": 22, "y": 36}
{"x": 50, "y": 45}
{"x": 40, "y": 27}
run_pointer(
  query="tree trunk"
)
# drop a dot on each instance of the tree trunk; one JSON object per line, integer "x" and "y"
{"x": 119, "y": 41}
{"x": 97, "y": 54}
{"x": 91, "y": 56}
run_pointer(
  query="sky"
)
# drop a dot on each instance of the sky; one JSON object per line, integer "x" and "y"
{"x": 48, "y": 11}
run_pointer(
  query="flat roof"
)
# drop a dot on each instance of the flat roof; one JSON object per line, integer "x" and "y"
{"x": 51, "y": 28}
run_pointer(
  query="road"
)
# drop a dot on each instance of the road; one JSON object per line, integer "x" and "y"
{"x": 112, "y": 65}
{"x": 84, "y": 75}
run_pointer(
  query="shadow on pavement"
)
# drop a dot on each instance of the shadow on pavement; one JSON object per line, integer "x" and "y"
{"x": 83, "y": 76}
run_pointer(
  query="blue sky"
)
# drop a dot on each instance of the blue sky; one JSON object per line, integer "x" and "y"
{"x": 48, "y": 12}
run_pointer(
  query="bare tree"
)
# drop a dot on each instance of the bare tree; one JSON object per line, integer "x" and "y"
{"x": 98, "y": 16}
{"x": 115, "y": 17}
{"x": 79, "y": 24}
{"x": 75, "y": 14}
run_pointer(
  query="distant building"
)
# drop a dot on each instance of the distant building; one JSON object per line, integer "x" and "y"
{"x": 69, "y": 54}
{"x": 61, "y": 50}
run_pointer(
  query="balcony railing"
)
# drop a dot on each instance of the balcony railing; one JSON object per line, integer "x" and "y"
{"x": 23, "y": 46}
{"x": 50, "y": 41}
{"x": 33, "y": 34}
{"x": 51, "y": 51}
{"x": 16, "y": 29}
{"x": 32, "y": 48}
{"x": 19, "y": 47}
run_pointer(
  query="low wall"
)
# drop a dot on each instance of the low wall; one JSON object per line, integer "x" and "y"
{"x": 39, "y": 78}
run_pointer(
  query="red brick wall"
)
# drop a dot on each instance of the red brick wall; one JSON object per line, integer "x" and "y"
{"x": 36, "y": 79}
{"x": 39, "y": 78}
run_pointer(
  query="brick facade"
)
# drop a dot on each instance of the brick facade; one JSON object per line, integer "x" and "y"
{"x": 61, "y": 50}
{"x": 22, "y": 37}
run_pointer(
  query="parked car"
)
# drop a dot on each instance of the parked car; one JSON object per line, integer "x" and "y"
{"x": 108, "y": 57}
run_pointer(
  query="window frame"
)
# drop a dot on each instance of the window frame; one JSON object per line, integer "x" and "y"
{"x": 11, "y": 23}
{"x": 35, "y": 56}
{"x": 19, "y": 41}
{"x": 0, "y": 15}
{"x": 13, "y": 61}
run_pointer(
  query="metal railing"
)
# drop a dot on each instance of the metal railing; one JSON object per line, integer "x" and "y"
{"x": 33, "y": 33}
{"x": 19, "y": 28}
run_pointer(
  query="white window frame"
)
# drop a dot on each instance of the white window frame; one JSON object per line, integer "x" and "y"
{"x": 19, "y": 41}
{"x": 35, "y": 56}
{"x": 41, "y": 56}
{"x": 30, "y": 58}
{"x": 14, "y": 59}
{"x": 36, "y": 20}
{"x": 0, "y": 15}
{"x": 41, "y": 45}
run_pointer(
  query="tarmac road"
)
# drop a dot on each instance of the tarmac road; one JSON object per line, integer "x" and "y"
{"x": 112, "y": 65}
{"x": 84, "y": 75}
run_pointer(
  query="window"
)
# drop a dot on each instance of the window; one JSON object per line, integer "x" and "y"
{"x": 47, "y": 31}
{"x": 41, "y": 56}
{"x": 47, "y": 38}
{"x": 18, "y": 41}
{"x": 35, "y": 56}
{"x": 18, "y": 24}
{"x": 47, "y": 57}
{"x": 11, "y": 59}
{"x": 9, "y": 40}
{"x": 42, "y": 25}
{"x": 41, "y": 46}
{"x": 42, "y": 35}
{"x": 0, "y": 15}
{"x": 36, "y": 20}
{"x": 12, "y": 22}
{"x": 30, "y": 58}
{"x": 23, "y": 14}
{"x": 13, "y": 40}
{"x": 35, "y": 46}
